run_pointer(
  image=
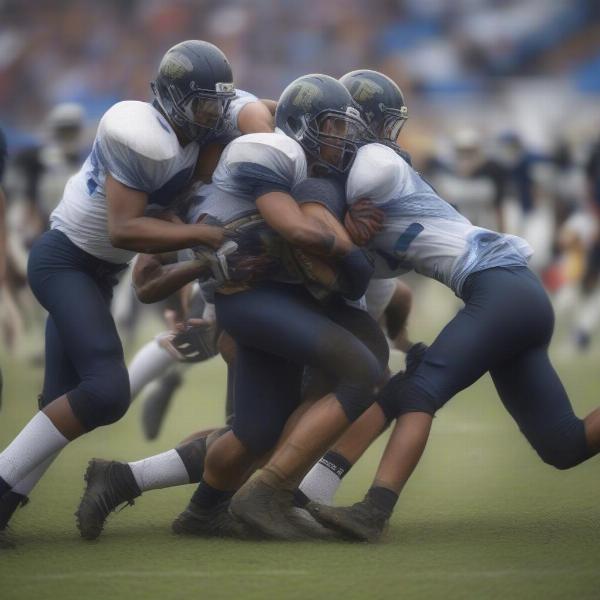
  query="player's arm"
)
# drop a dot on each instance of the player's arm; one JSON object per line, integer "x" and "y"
{"x": 157, "y": 276}
{"x": 129, "y": 229}
{"x": 270, "y": 104}
{"x": 282, "y": 213}
{"x": 255, "y": 117}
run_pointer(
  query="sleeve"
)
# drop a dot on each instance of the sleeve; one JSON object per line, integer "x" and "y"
{"x": 133, "y": 151}
{"x": 376, "y": 174}
{"x": 325, "y": 191}
{"x": 235, "y": 106}
{"x": 256, "y": 164}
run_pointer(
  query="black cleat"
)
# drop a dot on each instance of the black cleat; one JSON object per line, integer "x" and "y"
{"x": 109, "y": 484}
{"x": 157, "y": 402}
{"x": 362, "y": 521}
{"x": 9, "y": 503}
{"x": 272, "y": 512}
{"x": 212, "y": 522}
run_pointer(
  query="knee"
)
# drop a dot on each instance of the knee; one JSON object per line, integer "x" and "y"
{"x": 257, "y": 438}
{"x": 400, "y": 395}
{"x": 356, "y": 390}
{"x": 103, "y": 400}
{"x": 564, "y": 447}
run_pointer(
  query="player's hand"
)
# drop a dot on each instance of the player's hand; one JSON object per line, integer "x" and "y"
{"x": 363, "y": 220}
{"x": 211, "y": 235}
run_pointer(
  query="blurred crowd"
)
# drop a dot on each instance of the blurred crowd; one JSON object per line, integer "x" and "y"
{"x": 502, "y": 98}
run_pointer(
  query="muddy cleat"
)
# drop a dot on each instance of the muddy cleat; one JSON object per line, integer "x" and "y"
{"x": 156, "y": 403}
{"x": 362, "y": 521}
{"x": 270, "y": 511}
{"x": 9, "y": 503}
{"x": 109, "y": 484}
{"x": 305, "y": 522}
{"x": 212, "y": 522}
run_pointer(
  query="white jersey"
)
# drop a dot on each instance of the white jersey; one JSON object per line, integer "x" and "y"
{"x": 259, "y": 163}
{"x": 422, "y": 232}
{"x": 140, "y": 149}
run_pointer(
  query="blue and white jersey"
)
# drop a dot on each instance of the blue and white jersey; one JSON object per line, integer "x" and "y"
{"x": 257, "y": 238}
{"x": 258, "y": 163}
{"x": 139, "y": 148}
{"x": 421, "y": 231}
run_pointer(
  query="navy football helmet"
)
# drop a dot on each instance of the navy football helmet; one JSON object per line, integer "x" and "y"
{"x": 381, "y": 103}
{"x": 319, "y": 113}
{"x": 194, "y": 87}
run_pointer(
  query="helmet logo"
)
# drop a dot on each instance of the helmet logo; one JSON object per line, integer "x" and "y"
{"x": 365, "y": 90}
{"x": 224, "y": 88}
{"x": 305, "y": 96}
{"x": 176, "y": 65}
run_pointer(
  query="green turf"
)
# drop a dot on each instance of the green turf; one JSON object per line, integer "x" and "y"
{"x": 481, "y": 518}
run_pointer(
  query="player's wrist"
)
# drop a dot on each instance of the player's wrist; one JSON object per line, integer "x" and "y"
{"x": 210, "y": 235}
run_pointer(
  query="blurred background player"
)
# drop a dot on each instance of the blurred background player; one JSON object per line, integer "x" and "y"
{"x": 473, "y": 182}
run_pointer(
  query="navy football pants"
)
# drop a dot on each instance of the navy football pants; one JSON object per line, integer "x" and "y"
{"x": 505, "y": 328}
{"x": 279, "y": 329}
{"x": 84, "y": 356}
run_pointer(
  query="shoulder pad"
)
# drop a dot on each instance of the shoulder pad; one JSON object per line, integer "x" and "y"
{"x": 140, "y": 128}
{"x": 377, "y": 172}
{"x": 259, "y": 161}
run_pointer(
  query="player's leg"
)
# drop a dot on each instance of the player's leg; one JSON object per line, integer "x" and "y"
{"x": 298, "y": 329}
{"x": 111, "y": 484}
{"x": 81, "y": 315}
{"x": 266, "y": 391}
{"x": 487, "y": 331}
{"x": 59, "y": 377}
{"x": 324, "y": 478}
{"x": 75, "y": 288}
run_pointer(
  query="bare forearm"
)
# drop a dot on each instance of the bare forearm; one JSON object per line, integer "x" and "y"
{"x": 149, "y": 235}
{"x": 160, "y": 282}
{"x": 315, "y": 238}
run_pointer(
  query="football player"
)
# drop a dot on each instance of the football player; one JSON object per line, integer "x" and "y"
{"x": 261, "y": 254}
{"x": 505, "y": 328}
{"x": 278, "y": 328}
{"x": 143, "y": 155}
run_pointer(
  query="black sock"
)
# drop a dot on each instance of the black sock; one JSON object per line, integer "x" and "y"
{"x": 336, "y": 463}
{"x": 4, "y": 487}
{"x": 383, "y": 498}
{"x": 207, "y": 496}
{"x": 300, "y": 498}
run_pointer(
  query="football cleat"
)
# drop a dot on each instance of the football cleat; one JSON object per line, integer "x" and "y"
{"x": 272, "y": 512}
{"x": 109, "y": 484}
{"x": 362, "y": 521}
{"x": 212, "y": 522}
{"x": 9, "y": 503}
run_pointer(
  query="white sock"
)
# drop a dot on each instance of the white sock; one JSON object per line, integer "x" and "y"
{"x": 26, "y": 484}
{"x": 320, "y": 484}
{"x": 150, "y": 362}
{"x": 160, "y": 471}
{"x": 38, "y": 440}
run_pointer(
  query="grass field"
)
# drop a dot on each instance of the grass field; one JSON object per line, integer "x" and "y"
{"x": 481, "y": 518}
